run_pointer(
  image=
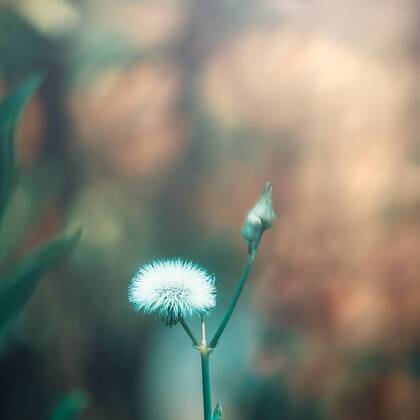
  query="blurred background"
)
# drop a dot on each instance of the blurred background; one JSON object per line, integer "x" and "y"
{"x": 156, "y": 127}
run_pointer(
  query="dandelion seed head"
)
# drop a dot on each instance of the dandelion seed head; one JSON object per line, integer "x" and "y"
{"x": 175, "y": 289}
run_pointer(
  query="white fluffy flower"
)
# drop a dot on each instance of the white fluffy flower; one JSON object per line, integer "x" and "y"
{"x": 173, "y": 288}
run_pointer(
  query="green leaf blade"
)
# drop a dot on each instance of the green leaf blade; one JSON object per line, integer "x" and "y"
{"x": 11, "y": 109}
{"x": 17, "y": 286}
{"x": 70, "y": 406}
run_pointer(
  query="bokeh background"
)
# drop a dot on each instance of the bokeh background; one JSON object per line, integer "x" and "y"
{"x": 156, "y": 127}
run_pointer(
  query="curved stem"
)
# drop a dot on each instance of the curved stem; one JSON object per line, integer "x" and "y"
{"x": 234, "y": 300}
{"x": 189, "y": 332}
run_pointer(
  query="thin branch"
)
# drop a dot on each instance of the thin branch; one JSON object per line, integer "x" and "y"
{"x": 234, "y": 301}
{"x": 189, "y": 332}
{"x": 203, "y": 333}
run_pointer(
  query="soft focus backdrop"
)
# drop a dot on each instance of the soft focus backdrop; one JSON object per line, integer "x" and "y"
{"x": 156, "y": 127}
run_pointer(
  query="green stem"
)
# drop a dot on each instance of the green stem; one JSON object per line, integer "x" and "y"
{"x": 234, "y": 300}
{"x": 205, "y": 372}
{"x": 189, "y": 332}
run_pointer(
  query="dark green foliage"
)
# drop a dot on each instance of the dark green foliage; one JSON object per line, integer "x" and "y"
{"x": 70, "y": 406}
{"x": 18, "y": 282}
{"x": 10, "y": 112}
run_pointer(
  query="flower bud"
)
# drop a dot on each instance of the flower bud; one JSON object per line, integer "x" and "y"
{"x": 260, "y": 218}
{"x": 251, "y": 230}
{"x": 264, "y": 208}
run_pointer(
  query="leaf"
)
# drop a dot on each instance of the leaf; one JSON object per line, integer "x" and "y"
{"x": 70, "y": 406}
{"x": 17, "y": 286}
{"x": 11, "y": 110}
{"x": 217, "y": 415}
{"x": 26, "y": 205}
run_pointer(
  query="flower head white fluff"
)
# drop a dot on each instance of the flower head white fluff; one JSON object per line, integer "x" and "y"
{"x": 175, "y": 289}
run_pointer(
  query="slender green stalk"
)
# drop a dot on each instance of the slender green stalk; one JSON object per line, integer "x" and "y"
{"x": 205, "y": 372}
{"x": 234, "y": 300}
{"x": 189, "y": 332}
